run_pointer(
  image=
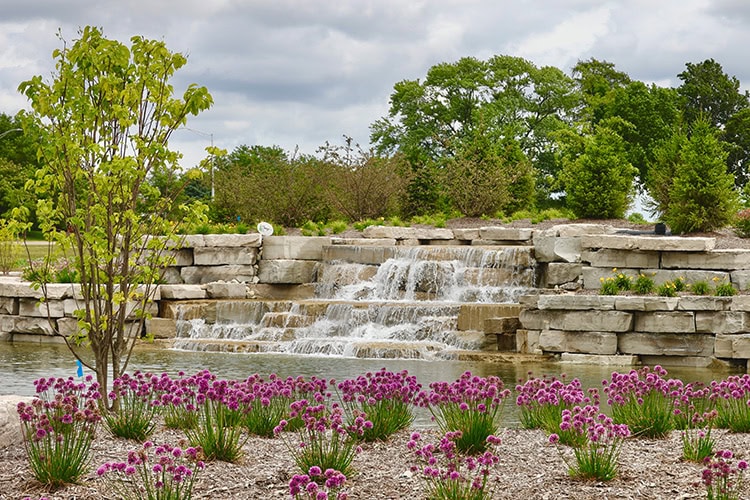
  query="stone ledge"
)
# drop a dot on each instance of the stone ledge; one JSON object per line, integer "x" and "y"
{"x": 599, "y": 359}
{"x": 648, "y": 243}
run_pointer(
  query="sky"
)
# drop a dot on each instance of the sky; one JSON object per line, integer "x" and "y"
{"x": 298, "y": 73}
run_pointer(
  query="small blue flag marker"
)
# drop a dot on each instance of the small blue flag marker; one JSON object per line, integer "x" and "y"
{"x": 80, "y": 368}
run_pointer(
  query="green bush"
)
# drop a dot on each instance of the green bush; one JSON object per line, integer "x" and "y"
{"x": 643, "y": 285}
{"x": 680, "y": 285}
{"x": 725, "y": 289}
{"x": 666, "y": 289}
{"x": 608, "y": 286}
{"x": 742, "y": 223}
{"x": 637, "y": 218}
{"x": 700, "y": 288}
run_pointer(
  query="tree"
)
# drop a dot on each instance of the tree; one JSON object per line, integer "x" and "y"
{"x": 18, "y": 162}
{"x": 707, "y": 91}
{"x": 105, "y": 121}
{"x": 702, "y": 195}
{"x": 508, "y": 97}
{"x": 596, "y": 80}
{"x": 599, "y": 178}
{"x": 736, "y": 137}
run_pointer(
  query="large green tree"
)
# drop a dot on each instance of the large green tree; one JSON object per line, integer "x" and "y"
{"x": 508, "y": 97}
{"x": 597, "y": 175}
{"x": 701, "y": 194}
{"x": 105, "y": 120}
{"x": 18, "y": 162}
{"x": 707, "y": 91}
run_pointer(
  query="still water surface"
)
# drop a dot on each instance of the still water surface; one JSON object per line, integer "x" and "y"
{"x": 21, "y": 364}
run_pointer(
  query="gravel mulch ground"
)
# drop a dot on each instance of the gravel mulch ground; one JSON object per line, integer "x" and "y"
{"x": 529, "y": 468}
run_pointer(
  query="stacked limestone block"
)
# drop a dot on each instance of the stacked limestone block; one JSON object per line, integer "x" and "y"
{"x": 215, "y": 257}
{"x": 695, "y": 331}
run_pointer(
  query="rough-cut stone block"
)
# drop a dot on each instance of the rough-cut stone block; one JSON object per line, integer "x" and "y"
{"x": 501, "y": 325}
{"x": 171, "y": 276}
{"x": 161, "y": 328}
{"x": 132, "y": 308}
{"x": 740, "y": 303}
{"x": 472, "y": 316}
{"x": 578, "y": 230}
{"x": 726, "y": 260}
{"x": 722, "y": 322}
{"x": 592, "y": 321}
{"x": 193, "y": 241}
{"x": 218, "y": 256}
{"x": 598, "y": 359}
{"x": 286, "y": 271}
{"x": 593, "y": 276}
{"x": 8, "y": 305}
{"x": 394, "y": 232}
{"x": 436, "y": 233}
{"x": 223, "y": 290}
{"x": 377, "y": 242}
{"x": 194, "y": 275}
{"x": 183, "y": 292}
{"x": 505, "y": 233}
{"x": 466, "y": 234}
{"x": 741, "y": 279}
{"x": 577, "y": 302}
{"x": 233, "y": 240}
{"x": 36, "y": 326}
{"x": 648, "y": 243}
{"x": 13, "y": 286}
{"x": 732, "y": 346}
{"x": 583, "y": 342}
{"x": 67, "y": 326}
{"x": 10, "y": 425}
{"x": 636, "y": 303}
{"x": 665, "y": 344}
{"x": 620, "y": 258}
{"x": 190, "y": 310}
{"x": 665, "y": 322}
{"x": 686, "y": 362}
{"x": 698, "y": 303}
{"x": 527, "y": 341}
{"x": 551, "y": 246}
{"x": 408, "y": 242}
{"x": 294, "y": 247}
{"x": 38, "y": 309}
{"x": 562, "y": 272}
{"x": 534, "y": 319}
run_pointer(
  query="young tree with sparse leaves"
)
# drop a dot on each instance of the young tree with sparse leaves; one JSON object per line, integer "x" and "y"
{"x": 105, "y": 120}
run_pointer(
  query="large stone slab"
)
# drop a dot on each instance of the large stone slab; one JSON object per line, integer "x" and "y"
{"x": 286, "y": 271}
{"x": 580, "y": 342}
{"x": 551, "y": 248}
{"x": 466, "y": 234}
{"x": 373, "y": 255}
{"x": 505, "y": 233}
{"x": 473, "y": 316}
{"x": 558, "y": 273}
{"x": 732, "y": 346}
{"x": 648, "y": 243}
{"x": 705, "y": 303}
{"x": 643, "y": 303}
{"x": 41, "y": 309}
{"x": 10, "y": 425}
{"x": 592, "y": 321}
{"x": 685, "y": 362}
{"x": 224, "y": 290}
{"x": 665, "y": 344}
{"x": 194, "y": 275}
{"x": 665, "y": 322}
{"x": 527, "y": 341}
{"x": 598, "y": 359}
{"x": 620, "y": 258}
{"x": 722, "y": 322}
{"x": 182, "y": 292}
{"x": 727, "y": 260}
{"x": 392, "y": 232}
{"x": 382, "y": 242}
{"x": 161, "y": 328}
{"x": 233, "y": 240}
{"x": 534, "y": 319}
{"x": 740, "y": 303}
{"x": 577, "y": 302}
{"x": 294, "y": 247}
{"x": 13, "y": 286}
{"x": 218, "y": 256}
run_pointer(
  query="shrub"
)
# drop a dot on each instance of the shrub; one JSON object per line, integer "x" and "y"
{"x": 133, "y": 409}
{"x": 171, "y": 473}
{"x": 742, "y": 223}
{"x": 643, "y": 400}
{"x": 637, "y": 218}
{"x": 325, "y": 440}
{"x": 608, "y": 286}
{"x": 700, "y": 288}
{"x": 666, "y": 289}
{"x": 471, "y": 405}
{"x": 725, "y": 289}
{"x": 384, "y": 398}
{"x": 643, "y": 285}
{"x": 722, "y": 479}
{"x": 680, "y": 285}
{"x": 597, "y": 453}
{"x": 447, "y": 474}
{"x": 58, "y": 428}
{"x": 10, "y": 247}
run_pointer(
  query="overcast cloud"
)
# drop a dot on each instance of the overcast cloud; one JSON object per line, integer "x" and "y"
{"x": 302, "y": 72}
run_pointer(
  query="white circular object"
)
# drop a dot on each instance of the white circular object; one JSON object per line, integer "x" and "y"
{"x": 265, "y": 229}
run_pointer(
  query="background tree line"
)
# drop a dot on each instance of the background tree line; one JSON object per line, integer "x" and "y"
{"x": 489, "y": 138}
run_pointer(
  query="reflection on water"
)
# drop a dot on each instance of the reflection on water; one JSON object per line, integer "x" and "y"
{"x": 21, "y": 364}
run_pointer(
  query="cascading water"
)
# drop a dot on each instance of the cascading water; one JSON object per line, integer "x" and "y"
{"x": 405, "y": 307}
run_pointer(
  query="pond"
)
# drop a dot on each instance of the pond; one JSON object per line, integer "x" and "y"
{"x": 22, "y": 363}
